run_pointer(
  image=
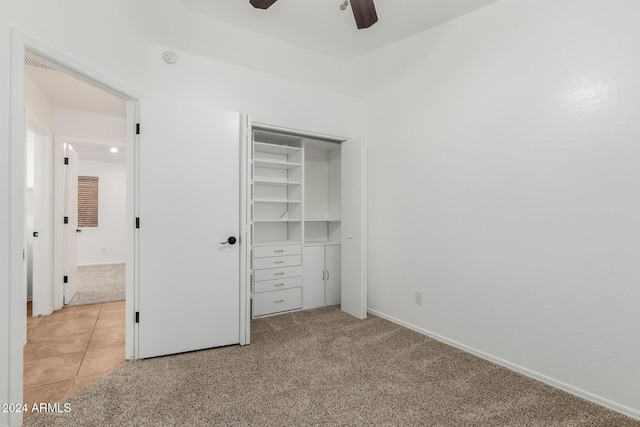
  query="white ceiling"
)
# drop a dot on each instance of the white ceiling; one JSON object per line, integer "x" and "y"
{"x": 320, "y": 25}
{"x": 317, "y": 25}
{"x": 65, "y": 91}
{"x": 99, "y": 153}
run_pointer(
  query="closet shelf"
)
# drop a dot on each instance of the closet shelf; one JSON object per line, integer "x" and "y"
{"x": 277, "y": 242}
{"x": 277, "y": 220}
{"x": 275, "y": 183}
{"x": 321, "y": 243}
{"x": 276, "y": 201}
{"x": 265, "y": 147}
{"x": 275, "y": 164}
{"x": 323, "y": 220}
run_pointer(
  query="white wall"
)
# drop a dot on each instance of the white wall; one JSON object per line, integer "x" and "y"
{"x": 105, "y": 244}
{"x": 268, "y": 98}
{"x": 39, "y": 108}
{"x": 503, "y": 183}
{"x": 209, "y": 37}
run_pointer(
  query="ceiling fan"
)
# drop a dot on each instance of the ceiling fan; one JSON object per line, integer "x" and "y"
{"x": 363, "y": 10}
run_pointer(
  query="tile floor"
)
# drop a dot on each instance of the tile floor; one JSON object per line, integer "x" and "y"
{"x": 71, "y": 348}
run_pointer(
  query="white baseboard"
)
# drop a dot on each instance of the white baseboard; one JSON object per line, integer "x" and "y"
{"x": 517, "y": 368}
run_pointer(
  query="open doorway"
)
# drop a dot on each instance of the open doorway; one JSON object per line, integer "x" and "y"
{"x": 77, "y": 178}
{"x": 99, "y": 187}
{"x": 89, "y": 123}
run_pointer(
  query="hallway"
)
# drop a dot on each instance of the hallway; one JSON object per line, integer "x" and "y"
{"x": 71, "y": 348}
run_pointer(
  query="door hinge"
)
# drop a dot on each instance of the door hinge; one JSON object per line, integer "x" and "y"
{"x": 66, "y": 220}
{"x": 137, "y": 317}
{"x": 137, "y": 222}
{"x": 65, "y": 279}
{"x": 66, "y": 160}
{"x": 137, "y": 128}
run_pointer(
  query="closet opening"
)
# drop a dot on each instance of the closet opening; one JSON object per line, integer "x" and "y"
{"x": 298, "y": 186}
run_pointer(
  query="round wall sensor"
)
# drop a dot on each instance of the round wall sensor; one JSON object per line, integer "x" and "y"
{"x": 170, "y": 57}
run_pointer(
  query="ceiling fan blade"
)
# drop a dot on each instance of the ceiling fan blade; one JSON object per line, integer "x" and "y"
{"x": 365, "y": 13}
{"x": 262, "y": 4}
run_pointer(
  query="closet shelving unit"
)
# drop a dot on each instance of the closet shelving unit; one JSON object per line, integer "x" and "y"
{"x": 296, "y": 209}
{"x": 277, "y": 222}
{"x": 276, "y": 189}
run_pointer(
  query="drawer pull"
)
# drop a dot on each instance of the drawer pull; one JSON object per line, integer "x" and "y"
{"x": 278, "y": 285}
{"x": 279, "y": 301}
{"x": 279, "y": 250}
{"x": 278, "y": 262}
{"x": 278, "y": 274}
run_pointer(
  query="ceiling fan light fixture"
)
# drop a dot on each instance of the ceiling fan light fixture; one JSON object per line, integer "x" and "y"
{"x": 364, "y": 11}
{"x": 262, "y": 4}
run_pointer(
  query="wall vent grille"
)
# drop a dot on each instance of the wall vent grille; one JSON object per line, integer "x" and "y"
{"x": 34, "y": 62}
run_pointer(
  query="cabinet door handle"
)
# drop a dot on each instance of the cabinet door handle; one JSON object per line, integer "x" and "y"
{"x": 278, "y": 285}
{"x": 279, "y": 250}
{"x": 278, "y": 274}
{"x": 279, "y": 301}
{"x": 278, "y": 262}
{"x": 327, "y": 274}
{"x": 322, "y": 274}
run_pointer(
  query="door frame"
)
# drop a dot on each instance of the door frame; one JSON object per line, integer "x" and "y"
{"x": 21, "y": 44}
{"x": 245, "y": 247}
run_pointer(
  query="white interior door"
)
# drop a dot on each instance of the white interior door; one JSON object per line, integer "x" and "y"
{"x": 313, "y": 277}
{"x": 189, "y": 198}
{"x": 354, "y": 257}
{"x": 42, "y": 238}
{"x": 71, "y": 236}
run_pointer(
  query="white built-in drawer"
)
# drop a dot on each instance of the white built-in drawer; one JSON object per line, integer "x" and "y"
{"x": 277, "y": 261}
{"x": 280, "y": 250}
{"x": 277, "y": 273}
{"x": 277, "y": 301}
{"x": 275, "y": 285}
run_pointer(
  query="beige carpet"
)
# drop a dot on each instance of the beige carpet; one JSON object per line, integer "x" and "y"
{"x": 99, "y": 284}
{"x": 322, "y": 367}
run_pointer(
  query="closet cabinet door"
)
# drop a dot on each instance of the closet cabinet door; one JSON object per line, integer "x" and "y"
{"x": 332, "y": 266}
{"x": 313, "y": 288}
{"x": 353, "y": 298}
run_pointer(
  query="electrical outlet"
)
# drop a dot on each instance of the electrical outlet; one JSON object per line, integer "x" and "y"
{"x": 419, "y": 297}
